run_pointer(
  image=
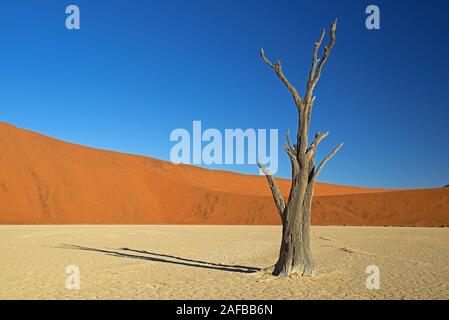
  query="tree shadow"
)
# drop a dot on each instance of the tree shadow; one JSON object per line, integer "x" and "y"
{"x": 159, "y": 257}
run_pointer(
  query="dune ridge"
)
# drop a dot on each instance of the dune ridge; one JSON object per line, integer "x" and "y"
{"x": 49, "y": 181}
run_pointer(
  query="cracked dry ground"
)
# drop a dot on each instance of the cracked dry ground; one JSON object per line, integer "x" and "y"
{"x": 218, "y": 262}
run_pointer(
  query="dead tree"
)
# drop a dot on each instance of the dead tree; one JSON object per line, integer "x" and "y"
{"x": 295, "y": 256}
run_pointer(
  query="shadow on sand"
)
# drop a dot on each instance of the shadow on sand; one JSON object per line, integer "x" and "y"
{"x": 164, "y": 258}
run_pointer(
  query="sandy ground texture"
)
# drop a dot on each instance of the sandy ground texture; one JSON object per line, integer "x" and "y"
{"x": 218, "y": 262}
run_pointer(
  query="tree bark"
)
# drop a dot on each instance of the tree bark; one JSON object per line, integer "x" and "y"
{"x": 295, "y": 254}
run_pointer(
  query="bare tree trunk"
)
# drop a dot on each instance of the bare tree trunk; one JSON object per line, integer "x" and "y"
{"x": 309, "y": 264}
{"x": 291, "y": 237}
{"x": 295, "y": 255}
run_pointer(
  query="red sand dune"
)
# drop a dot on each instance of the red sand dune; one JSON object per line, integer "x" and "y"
{"x": 48, "y": 181}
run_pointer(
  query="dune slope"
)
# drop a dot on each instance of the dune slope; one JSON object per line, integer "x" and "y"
{"x": 48, "y": 181}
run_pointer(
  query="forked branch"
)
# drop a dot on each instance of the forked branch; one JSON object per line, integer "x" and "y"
{"x": 315, "y": 59}
{"x": 327, "y": 50}
{"x": 314, "y": 145}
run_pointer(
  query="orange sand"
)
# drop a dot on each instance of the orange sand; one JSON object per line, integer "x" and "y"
{"x": 48, "y": 181}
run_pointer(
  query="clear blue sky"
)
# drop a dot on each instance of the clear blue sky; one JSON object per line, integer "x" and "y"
{"x": 139, "y": 69}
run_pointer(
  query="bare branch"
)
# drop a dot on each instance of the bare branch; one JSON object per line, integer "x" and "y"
{"x": 327, "y": 50}
{"x": 309, "y": 99}
{"x": 262, "y": 54}
{"x": 315, "y": 59}
{"x": 315, "y": 71}
{"x": 290, "y": 152}
{"x": 289, "y": 148}
{"x": 277, "y": 67}
{"x": 277, "y": 195}
{"x": 318, "y": 137}
{"x": 287, "y": 137}
{"x": 309, "y": 109}
{"x": 325, "y": 160}
{"x": 311, "y": 151}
